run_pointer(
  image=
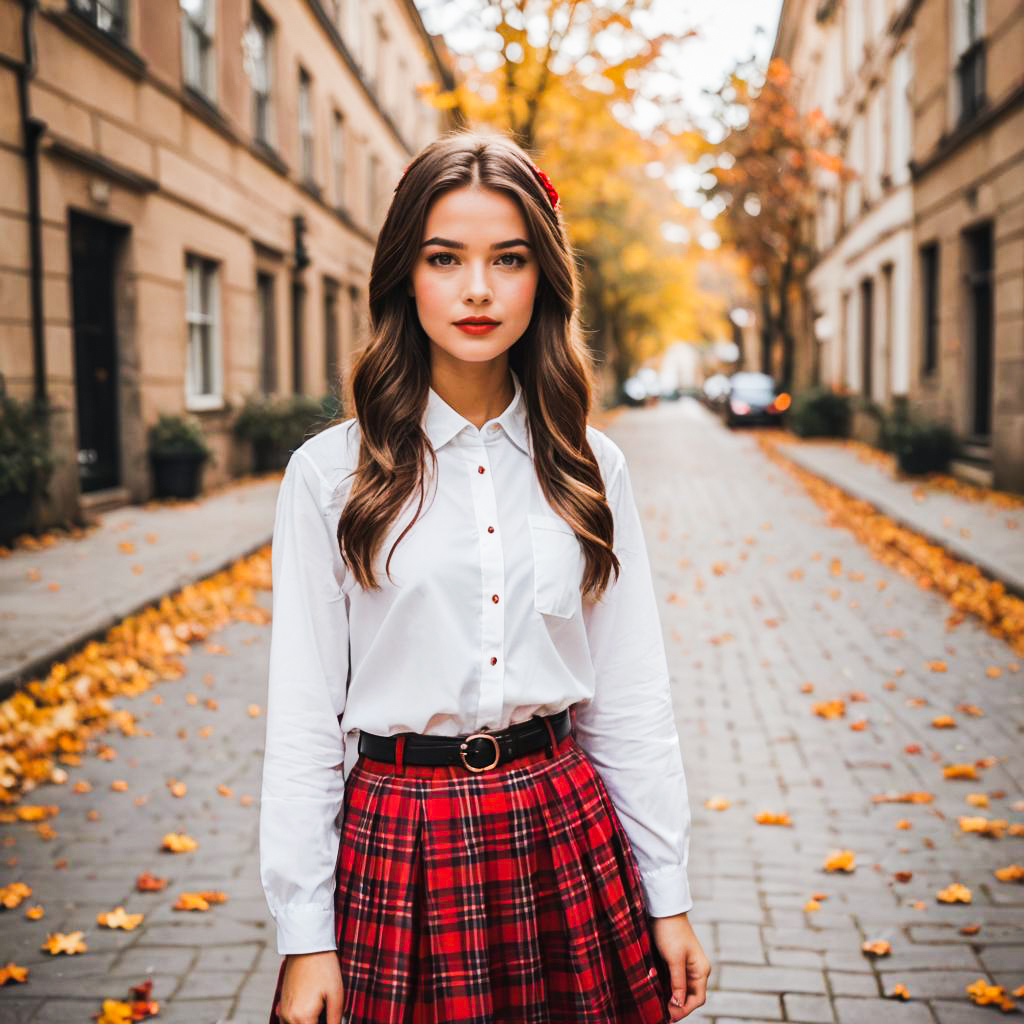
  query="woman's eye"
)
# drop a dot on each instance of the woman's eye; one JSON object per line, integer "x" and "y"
{"x": 436, "y": 257}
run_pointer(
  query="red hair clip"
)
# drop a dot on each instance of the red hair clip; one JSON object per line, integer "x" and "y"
{"x": 548, "y": 187}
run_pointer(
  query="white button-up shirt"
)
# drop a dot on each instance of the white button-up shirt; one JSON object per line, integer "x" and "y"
{"x": 481, "y": 624}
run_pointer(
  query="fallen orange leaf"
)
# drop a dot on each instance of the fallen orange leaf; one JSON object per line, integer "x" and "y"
{"x": 772, "y": 818}
{"x": 840, "y": 860}
{"x": 120, "y": 918}
{"x": 69, "y": 943}
{"x": 877, "y": 947}
{"x": 954, "y": 893}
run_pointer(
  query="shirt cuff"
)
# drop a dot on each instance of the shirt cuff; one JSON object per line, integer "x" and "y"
{"x": 305, "y": 929}
{"x": 667, "y": 891}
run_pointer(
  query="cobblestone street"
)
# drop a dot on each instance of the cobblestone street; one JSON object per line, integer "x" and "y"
{"x": 759, "y": 595}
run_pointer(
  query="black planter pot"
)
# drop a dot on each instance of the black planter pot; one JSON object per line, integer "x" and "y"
{"x": 268, "y": 455}
{"x": 14, "y": 512}
{"x": 177, "y": 475}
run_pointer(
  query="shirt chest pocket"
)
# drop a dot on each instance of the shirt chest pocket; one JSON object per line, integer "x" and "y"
{"x": 557, "y": 566}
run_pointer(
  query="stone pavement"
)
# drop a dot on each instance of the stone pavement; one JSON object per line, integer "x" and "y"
{"x": 990, "y": 537}
{"x": 98, "y": 584}
{"x": 753, "y": 605}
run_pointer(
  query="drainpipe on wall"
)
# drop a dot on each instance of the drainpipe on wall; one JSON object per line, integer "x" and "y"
{"x": 32, "y": 131}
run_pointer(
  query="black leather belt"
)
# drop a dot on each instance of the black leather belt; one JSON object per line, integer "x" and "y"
{"x": 479, "y": 751}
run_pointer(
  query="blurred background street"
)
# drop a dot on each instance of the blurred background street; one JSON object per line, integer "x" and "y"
{"x": 800, "y": 232}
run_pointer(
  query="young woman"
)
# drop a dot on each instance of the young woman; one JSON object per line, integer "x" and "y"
{"x": 461, "y": 579}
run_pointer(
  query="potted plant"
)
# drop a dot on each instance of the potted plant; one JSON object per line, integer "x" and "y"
{"x": 819, "y": 412}
{"x": 261, "y": 423}
{"x": 26, "y": 460}
{"x": 177, "y": 453}
{"x": 920, "y": 445}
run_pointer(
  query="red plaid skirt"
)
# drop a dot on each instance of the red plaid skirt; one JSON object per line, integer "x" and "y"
{"x": 510, "y": 895}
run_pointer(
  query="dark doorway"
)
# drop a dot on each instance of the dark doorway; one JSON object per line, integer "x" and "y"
{"x": 867, "y": 335}
{"x": 298, "y": 333}
{"x": 95, "y": 248}
{"x": 979, "y": 326}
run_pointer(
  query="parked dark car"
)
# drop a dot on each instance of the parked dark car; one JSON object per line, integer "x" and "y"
{"x": 754, "y": 398}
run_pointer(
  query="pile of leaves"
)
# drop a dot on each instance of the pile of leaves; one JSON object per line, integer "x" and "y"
{"x": 51, "y": 719}
{"x": 968, "y": 589}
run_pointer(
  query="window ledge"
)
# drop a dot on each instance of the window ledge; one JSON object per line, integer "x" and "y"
{"x": 205, "y": 108}
{"x": 268, "y": 155}
{"x": 204, "y": 403}
{"x": 110, "y": 46}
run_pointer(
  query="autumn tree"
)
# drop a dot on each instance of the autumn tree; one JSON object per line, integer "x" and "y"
{"x": 564, "y": 78}
{"x": 765, "y": 174}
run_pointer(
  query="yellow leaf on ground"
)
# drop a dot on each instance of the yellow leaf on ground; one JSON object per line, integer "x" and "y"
{"x": 12, "y": 972}
{"x": 772, "y": 818}
{"x": 69, "y": 943}
{"x": 829, "y": 708}
{"x": 120, "y": 918}
{"x": 954, "y": 893}
{"x": 1011, "y": 873}
{"x": 840, "y": 860}
{"x": 178, "y": 842}
{"x": 877, "y": 947}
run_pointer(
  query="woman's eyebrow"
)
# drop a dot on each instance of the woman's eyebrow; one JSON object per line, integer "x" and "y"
{"x": 461, "y": 245}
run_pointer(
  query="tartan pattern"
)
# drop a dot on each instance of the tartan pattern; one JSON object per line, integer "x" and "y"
{"x": 510, "y": 896}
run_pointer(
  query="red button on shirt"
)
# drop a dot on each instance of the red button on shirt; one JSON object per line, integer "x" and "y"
{"x": 494, "y": 661}
{"x": 494, "y": 598}
{"x": 490, "y": 529}
{"x": 479, "y": 469}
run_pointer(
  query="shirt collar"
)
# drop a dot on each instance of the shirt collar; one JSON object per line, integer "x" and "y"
{"x": 441, "y": 422}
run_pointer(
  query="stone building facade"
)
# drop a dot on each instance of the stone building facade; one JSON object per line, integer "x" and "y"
{"x": 192, "y": 194}
{"x": 854, "y": 68}
{"x": 918, "y": 289}
{"x": 968, "y": 168}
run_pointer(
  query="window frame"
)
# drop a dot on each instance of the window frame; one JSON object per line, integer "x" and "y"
{"x": 203, "y": 318}
{"x": 91, "y": 11}
{"x": 206, "y": 53}
{"x": 263, "y": 100}
{"x": 304, "y": 121}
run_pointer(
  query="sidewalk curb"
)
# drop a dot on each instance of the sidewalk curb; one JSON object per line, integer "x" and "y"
{"x": 39, "y": 665}
{"x": 947, "y": 543}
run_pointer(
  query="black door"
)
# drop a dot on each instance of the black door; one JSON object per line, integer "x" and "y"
{"x": 979, "y": 311}
{"x": 94, "y": 248}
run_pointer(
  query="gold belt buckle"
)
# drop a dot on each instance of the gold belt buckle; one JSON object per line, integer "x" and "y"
{"x": 464, "y": 746}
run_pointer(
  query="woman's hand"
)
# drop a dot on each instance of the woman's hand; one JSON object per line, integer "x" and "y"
{"x": 312, "y": 981}
{"x": 688, "y": 966}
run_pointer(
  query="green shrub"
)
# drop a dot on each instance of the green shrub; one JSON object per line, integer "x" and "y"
{"x": 26, "y": 457}
{"x": 920, "y": 445}
{"x": 819, "y": 412}
{"x": 178, "y": 435}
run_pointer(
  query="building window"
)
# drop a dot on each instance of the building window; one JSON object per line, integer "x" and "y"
{"x": 338, "y": 158}
{"x": 332, "y": 355}
{"x": 259, "y": 62}
{"x": 968, "y": 39}
{"x": 202, "y": 323}
{"x": 929, "y": 308}
{"x": 197, "y": 34}
{"x": 305, "y": 125}
{"x": 266, "y": 313}
{"x": 107, "y": 15}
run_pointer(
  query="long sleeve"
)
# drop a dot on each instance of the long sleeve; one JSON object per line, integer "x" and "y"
{"x": 628, "y": 729}
{"x": 303, "y": 777}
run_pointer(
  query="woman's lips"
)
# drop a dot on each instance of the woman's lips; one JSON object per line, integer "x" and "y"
{"x": 476, "y": 328}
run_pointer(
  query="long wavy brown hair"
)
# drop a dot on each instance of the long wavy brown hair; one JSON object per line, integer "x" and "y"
{"x": 390, "y": 376}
